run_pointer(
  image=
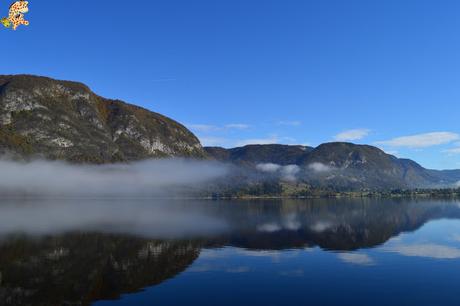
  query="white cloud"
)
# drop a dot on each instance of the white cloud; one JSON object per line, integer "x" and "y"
{"x": 421, "y": 140}
{"x": 290, "y": 123}
{"x": 321, "y": 226}
{"x": 290, "y": 222}
{"x": 218, "y": 268}
{"x": 319, "y": 167}
{"x": 268, "y": 167}
{"x": 273, "y": 254}
{"x": 351, "y": 135}
{"x": 202, "y": 127}
{"x": 237, "y": 126}
{"x": 356, "y": 259}
{"x": 435, "y": 251}
{"x": 214, "y": 128}
{"x": 287, "y": 172}
{"x": 226, "y": 142}
{"x": 271, "y": 139}
{"x": 269, "y": 228}
{"x": 213, "y": 141}
{"x": 211, "y": 135}
{"x": 453, "y": 151}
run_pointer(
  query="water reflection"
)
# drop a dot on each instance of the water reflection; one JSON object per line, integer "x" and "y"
{"x": 340, "y": 225}
{"x": 80, "y": 268}
{"x": 74, "y": 252}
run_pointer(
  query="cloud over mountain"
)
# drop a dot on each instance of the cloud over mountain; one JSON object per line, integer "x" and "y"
{"x": 421, "y": 140}
{"x": 352, "y": 135}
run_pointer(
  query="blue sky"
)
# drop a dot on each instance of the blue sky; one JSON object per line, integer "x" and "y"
{"x": 287, "y": 71}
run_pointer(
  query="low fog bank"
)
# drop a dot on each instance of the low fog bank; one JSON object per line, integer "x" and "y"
{"x": 156, "y": 177}
{"x": 216, "y": 220}
{"x": 288, "y": 173}
{"x": 151, "y": 177}
{"x": 146, "y": 218}
{"x": 175, "y": 178}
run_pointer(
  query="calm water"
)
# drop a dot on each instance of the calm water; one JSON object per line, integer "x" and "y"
{"x": 290, "y": 252}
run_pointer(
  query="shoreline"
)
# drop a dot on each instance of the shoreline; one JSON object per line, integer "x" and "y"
{"x": 426, "y": 194}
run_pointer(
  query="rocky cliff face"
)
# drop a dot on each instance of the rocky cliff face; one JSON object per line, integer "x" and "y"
{"x": 67, "y": 121}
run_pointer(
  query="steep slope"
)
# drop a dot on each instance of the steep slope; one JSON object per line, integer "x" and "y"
{"x": 65, "y": 120}
{"x": 255, "y": 154}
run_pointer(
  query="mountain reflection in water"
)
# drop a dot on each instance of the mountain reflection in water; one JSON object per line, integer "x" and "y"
{"x": 71, "y": 252}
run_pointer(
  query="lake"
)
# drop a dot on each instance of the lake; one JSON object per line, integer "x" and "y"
{"x": 108, "y": 252}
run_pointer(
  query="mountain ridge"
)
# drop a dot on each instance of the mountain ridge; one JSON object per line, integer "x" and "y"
{"x": 65, "y": 120}
{"x": 346, "y": 165}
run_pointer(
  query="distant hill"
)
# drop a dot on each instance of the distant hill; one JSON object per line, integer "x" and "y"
{"x": 340, "y": 165}
{"x": 65, "y": 120}
{"x": 256, "y": 154}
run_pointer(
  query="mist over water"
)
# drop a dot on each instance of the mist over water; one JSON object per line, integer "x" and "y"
{"x": 145, "y": 218}
{"x": 63, "y": 197}
{"x": 300, "y": 222}
{"x": 138, "y": 178}
{"x": 295, "y": 247}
